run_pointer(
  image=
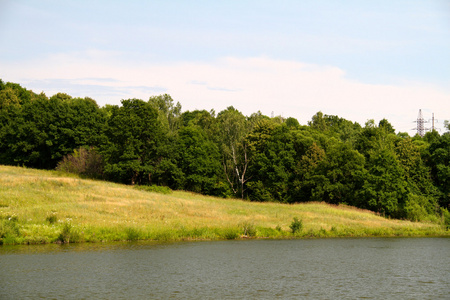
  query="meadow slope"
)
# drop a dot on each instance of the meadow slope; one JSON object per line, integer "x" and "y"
{"x": 46, "y": 206}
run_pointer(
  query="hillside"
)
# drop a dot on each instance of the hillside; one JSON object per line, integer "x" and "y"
{"x": 228, "y": 154}
{"x": 46, "y": 206}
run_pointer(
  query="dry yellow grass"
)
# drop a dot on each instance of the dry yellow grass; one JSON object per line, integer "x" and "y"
{"x": 97, "y": 210}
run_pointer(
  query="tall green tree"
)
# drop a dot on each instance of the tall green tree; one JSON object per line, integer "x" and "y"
{"x": 232, "y": 129}
{"x": 206, "y": 120}
{"x": 306, "y": 173}
{"x": 343, "y": 129}
{"x": 134, "y": 135}
{"x": 168, "y": 112}
{"x": 386, "y": 126}
{"x": 385, "y": 189}
{"x": 273, "y": 158}
{"x": 200, "y": 162}
{"x": 439, "y": 161}
{"x": 417, "y": 173}
{"x": 8, "y": 98}
{"x": 340, "y": 176}
{"x": 42, "y": 131}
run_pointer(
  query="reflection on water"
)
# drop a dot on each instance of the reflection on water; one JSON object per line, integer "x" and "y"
{"x": 263, "y": 269}
{"x": 83, "y": 247}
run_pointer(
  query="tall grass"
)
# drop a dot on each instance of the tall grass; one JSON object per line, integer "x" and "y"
{"x": 48, "y": 206}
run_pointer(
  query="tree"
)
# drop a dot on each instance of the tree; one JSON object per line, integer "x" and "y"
{"x": 39, "y": 133}
{"x": 134, "y": 134}
{"x": 204, "y": 119}
{"x": 14, "y": 90}
{"x": 169, "y": 113}
{"x": 439, "y": 161}
{"x": 8, "y": 97}
{"x": 233, "y": 127}
{"x": 200, "y": 162}
{"x": 372, "y": 138}
{"x": 272, "y": 154}
{"x": 417, "y": 173}
{"x": 318, "y": 122}
{"x": 385, "y": 189}
{"x": 423, "y": 195}
{"x": 403, "y": 135}
{"x": 292, "y": 123}
{"x": 306, "y": 174}
{"x": 340, "y": 175}
{"x": 343, "y": 129}
{"x": 386, "y": 126}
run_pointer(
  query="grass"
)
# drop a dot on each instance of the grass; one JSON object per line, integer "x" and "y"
{"x": 48, "y": 206}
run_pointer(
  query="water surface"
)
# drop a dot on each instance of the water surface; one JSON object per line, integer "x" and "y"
{"x": 376, "y": 268}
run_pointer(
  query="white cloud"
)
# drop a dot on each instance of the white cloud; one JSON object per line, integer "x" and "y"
{"x": 288, "y": 88}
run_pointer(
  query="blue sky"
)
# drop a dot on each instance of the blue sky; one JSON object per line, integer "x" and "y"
{"x": 356, "y": 59}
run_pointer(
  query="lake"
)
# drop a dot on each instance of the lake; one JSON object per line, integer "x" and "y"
{"x": 369, "y": 268}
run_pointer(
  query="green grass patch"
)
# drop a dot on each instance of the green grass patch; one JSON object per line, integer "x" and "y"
{"x": 49, "y": 207}
{"x": 154, "y": 189}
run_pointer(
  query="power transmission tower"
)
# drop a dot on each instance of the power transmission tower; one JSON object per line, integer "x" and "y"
{"x": 433, "y": 128}
{"x": 420, "y": 124}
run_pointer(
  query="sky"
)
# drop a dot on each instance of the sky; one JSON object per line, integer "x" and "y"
{"x": 358, "y": 60}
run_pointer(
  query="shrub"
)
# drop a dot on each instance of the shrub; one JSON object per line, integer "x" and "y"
{"x": 52, "y": 219}
{"x": 296, "y": 225}
{"x": 445, "y": 218}
{"x": 84, "y": 162}
{"x": 415, "y": 208}
{"x": 132, "y": 234}
{"x": 231, "y": 233}
{"x": 249, "y": 229}
{"x": 9, "y": 230}
{"x": 223, "y": 190}
{"x": 68, "y": 234}
{"x": 64, "y": 236}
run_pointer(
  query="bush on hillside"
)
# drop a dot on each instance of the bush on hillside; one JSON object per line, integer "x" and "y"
{"x": 84, "y": 162}
{"x": 296, "y": 225}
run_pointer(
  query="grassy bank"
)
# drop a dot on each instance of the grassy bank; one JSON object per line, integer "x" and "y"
{"x": 45, "y": 207}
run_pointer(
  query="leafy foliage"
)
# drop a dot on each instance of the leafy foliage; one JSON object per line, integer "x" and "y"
{"x": 133, "y": 137}
{"x": 40, "y": 132}
{"x": 200, "y": 162}
{"x": 155, "y": 145}
{"x": 84, "y": 162}
{"x": 154, "y": 189}
{"x": 296, "y": 225}
{"x": 233, "y": 129}
{"x": 439, "y": 161}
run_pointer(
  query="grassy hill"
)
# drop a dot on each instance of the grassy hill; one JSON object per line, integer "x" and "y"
{"x": 46, "y": 206}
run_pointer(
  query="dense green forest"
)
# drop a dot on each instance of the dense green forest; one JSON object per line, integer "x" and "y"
{"x": 229, "y": 154}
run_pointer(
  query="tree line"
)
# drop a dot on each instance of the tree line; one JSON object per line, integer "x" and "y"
{"x": 229, "y": 154}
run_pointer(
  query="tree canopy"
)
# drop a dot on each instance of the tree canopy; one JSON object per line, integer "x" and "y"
{"x": 228, "y": 154}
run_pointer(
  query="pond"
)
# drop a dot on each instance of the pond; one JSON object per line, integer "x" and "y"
{"x": 372, "y": 268}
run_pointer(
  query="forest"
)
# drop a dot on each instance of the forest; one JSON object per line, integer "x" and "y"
{"x": 228, "y": 154}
